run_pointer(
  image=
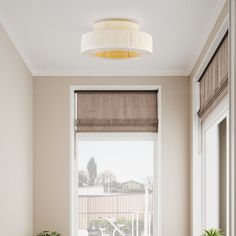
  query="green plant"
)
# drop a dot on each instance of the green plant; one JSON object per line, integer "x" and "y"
{"x": 213, "y": 232}
{"x": 48, "y": 233}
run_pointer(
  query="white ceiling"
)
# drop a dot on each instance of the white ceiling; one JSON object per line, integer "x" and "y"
{"x": 47, "y": 33}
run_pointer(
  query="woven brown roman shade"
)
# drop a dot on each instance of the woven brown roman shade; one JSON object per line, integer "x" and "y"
{"x": 214, "y": 81}
{"x": 117, "y": 111}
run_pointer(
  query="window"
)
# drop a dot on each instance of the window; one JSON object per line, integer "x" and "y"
{"x": 115, "y": 195}
{"x": 115, "y": 184}
{"x": 210, "y": 161}
{"x": 215, "y": 181}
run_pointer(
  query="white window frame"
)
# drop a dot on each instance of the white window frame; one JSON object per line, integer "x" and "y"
{"x": 131, "y": 136}
{"x": 232, "y": 53}
{"x": 219, "y": 113}
{"x": 196, "y": 162}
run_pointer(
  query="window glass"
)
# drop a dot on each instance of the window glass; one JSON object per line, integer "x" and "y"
{"x": 115, "y": 187}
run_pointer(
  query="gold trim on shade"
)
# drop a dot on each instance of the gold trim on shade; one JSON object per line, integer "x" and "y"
{"x": 116, "y": 39}
{"x": 114, "y": 54}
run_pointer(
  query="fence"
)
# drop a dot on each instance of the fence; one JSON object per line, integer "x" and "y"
{"x": 117, "y": 206}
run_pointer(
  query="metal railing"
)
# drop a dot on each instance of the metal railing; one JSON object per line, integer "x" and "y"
{"x": 104, "y": 212}
{"x": 106, "y": 223}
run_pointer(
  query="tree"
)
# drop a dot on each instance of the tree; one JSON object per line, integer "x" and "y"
{"x": 106, "y": 176}
{"x": 92, "y": 170}
{"x": 83, "y": 178}
{"x": 149, "y": 182}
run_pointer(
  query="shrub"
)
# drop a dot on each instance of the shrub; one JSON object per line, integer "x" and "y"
{"x": 48, "y": 233}
{"x": 213, "y": 232}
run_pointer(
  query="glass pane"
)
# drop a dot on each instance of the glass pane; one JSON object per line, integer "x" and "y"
{"x": 216, "y": 175}
{"x": 115, "y": 188}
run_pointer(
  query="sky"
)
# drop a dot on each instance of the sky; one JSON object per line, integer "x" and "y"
{"x": 125, "y": 159}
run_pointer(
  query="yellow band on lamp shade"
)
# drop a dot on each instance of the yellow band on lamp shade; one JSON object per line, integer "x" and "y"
{"x": 116, "y": 39}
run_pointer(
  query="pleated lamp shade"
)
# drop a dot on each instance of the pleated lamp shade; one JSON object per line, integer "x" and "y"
{"x": 116, "y": 39}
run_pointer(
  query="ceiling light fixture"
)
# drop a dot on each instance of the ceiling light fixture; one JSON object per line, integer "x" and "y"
{"x": 116, "y": 39}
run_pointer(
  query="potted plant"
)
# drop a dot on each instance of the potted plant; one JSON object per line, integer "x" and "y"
{"x": 48, "y": 233}
{"x": 213, "y": 232}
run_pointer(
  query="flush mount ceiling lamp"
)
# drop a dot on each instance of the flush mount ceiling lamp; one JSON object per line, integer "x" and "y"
{"x": 116, "y": 39}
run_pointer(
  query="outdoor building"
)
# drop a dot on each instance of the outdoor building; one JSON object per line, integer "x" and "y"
{"x": 132, "y": 186}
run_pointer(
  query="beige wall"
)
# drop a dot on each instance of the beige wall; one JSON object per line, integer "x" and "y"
{"x": 52, "y": 149}
{"x": 16, "y": 156}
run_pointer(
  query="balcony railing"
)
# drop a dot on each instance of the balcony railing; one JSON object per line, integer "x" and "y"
{"x": 105, "y": 215}
{"x": 106, "y": 223}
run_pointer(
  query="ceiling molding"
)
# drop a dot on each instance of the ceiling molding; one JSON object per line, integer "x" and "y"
{"x": 201, "y": 43}
{"x": 212, "y": 48}
{"x": 16, "y": 43}
{"x": 77, "y": 73}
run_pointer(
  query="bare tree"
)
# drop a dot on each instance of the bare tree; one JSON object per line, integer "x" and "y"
{"x": 106, "y": 176}
{"x": 149, "y": 182}
{"x": 83, "y": 178}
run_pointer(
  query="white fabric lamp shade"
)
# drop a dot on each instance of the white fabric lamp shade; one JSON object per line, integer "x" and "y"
{"x": 116, "y": 39}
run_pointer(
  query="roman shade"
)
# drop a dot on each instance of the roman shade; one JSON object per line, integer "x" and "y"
{"x": 214, "y": 80}
{"x": 116, "y": 111}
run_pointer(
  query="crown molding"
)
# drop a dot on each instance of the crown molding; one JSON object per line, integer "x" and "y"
{"x": 16, "y": 43}
{"x": 77, "y": 73}
{"x": 205, "y": 36}
{"x": 212, "y": 48}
